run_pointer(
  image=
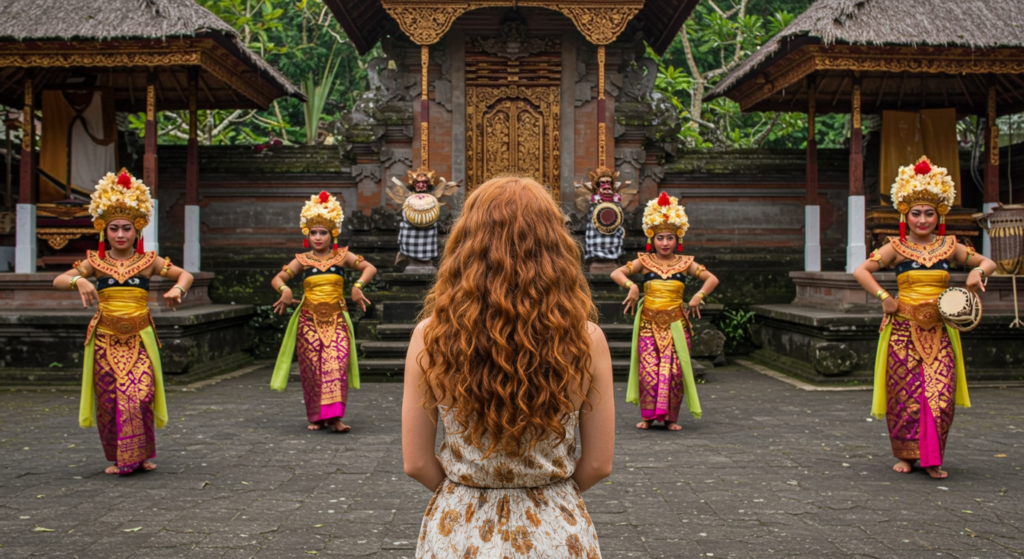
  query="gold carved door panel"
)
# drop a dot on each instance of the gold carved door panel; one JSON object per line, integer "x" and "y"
{"x": 513, "y": 130}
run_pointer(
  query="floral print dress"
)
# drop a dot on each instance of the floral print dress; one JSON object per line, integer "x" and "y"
{"x": 503, "y": 507}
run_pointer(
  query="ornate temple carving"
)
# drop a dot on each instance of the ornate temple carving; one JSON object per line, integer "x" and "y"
{"x": 513, "y": 43}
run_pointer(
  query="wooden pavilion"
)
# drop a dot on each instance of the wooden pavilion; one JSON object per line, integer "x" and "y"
{"x": 941, "y": 60}
{"x": 136, "y": 56}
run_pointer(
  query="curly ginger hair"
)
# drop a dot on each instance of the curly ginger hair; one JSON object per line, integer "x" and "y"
{"x": 507, "y": 343}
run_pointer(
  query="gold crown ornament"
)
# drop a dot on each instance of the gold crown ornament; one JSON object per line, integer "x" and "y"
{"x": 322, "y": 210}
{"x": 599, "y": 173}
{"x": 923, "y": 183}
{"x": 665, "y": 215}
{"x": 121, "y": 196}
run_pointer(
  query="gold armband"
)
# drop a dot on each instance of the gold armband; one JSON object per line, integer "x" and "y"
{"x": 700, "y": 270}
{"x": 629, "y": 266}
{"x": 359, "y": 260}
{"x": 166, "y": 268}
{"x": 80, "y": 269}
{"x": 288, "y": 270}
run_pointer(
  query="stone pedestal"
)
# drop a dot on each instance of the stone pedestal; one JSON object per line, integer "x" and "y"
{"x": 420, "y": 267}
{"x": 42, "y": 332}
{"x": 830, "y": 331}
{"x": 602, "y": 266}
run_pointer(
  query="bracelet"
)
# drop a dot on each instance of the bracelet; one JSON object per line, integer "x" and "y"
{"x": 628, "y": 284}
{"x": 980, "y": 271}
{"x": 879, "y": 293}
{"x": 282, "y": 288}
{"x": 74, "y": 280}
{"x": 182, "y": 289}
{"x": 883, "y": 296}
{"x": 358, "y": 285}
{"x": 166, "y": 268}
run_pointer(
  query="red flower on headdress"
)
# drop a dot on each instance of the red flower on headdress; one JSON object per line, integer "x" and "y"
{"x": 124, "y": 180}
{"x": 324, "y": 197}
{"x": 663, "y": 199}
{"x": 922, "y": 168}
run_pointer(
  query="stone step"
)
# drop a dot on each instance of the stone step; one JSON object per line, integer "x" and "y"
{"x": 398, "y": 349}
{"x": 383, "y": 370}
{"x": 402, "y": 331}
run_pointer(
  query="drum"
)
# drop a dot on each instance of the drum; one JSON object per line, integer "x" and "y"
{"x": 421, "y": 210}
{"x": 1005, "y": 226}
{"x": 960, "y": 308}
{"x": 607, "y": 217}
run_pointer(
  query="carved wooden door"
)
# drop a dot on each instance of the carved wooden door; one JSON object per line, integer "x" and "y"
{"x": 513, "y": 130}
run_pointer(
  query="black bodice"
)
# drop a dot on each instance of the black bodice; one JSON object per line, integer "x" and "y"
{"x": 139, "y": 282}
{"x": 336, "y": 270}
{"x": 678, "y": 276}
{"x": 908, "y": 265}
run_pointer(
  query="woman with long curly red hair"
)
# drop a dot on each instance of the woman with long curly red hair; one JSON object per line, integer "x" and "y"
{"x": 509, "y": 358}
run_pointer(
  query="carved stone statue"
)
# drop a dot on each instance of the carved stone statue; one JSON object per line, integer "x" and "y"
{"x": 602, "y": 197}
{"x": 417, "y": 231}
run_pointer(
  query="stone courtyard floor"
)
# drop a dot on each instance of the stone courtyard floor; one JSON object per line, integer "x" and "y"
{"x": 769, "y": 470}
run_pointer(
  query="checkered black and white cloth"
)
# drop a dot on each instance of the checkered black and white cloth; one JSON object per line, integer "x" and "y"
{"x": 417, "y": 242}
{"x": 599, "y": 245}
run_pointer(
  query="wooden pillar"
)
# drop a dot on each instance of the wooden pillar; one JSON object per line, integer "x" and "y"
{"x": 25, "y": 234}
{"x": 990, "y": 197}
{"x": 601, "y": 124}
{"x": 149, "y": 165}
{"x": 192, "y": 230}
{"x": 812, "y": 211}
{"x": 424, "y": 106}
{"x": 856, "y": 252}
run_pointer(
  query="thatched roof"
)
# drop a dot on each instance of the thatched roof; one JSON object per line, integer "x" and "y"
{"x": 972, "y": 26}
{"x": 366, "y": 22}
{"x": 40, "y": 27}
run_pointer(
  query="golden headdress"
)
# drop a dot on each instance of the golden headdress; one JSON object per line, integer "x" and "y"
{"x": 664, "y": 215}
{"x": 602, "y": 172}
{"x": 432, "y": 179}
{"x": 322, "y": 210}
{"x": 923, "y": 183}
{"x": 121, "y": 196}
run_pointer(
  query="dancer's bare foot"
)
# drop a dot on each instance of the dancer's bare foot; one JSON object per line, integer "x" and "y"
{"x": 110, "y": 470}
{"x": 148, "y": 466}
{"x": 936, "y": 472}
{"x": 339, "y": 427}
{"x": 643, "y": 424}
{"x": 315, "y": 426}
{"x": 671, "y": 426}
{"x": 903, "y": 467}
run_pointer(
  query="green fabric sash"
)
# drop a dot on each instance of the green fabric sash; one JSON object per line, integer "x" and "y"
{"x": 682, "y": 353}
{"x": 279, "y": 380}
{"x": 87, "y": 403}
{"x": 879, "y": 400}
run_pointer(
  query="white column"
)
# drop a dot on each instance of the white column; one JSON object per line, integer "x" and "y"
{"x": 25, "y": 240}
{"x": 149, "y": 234}
{"x": 192, "y": 252}
{"x": 986, "y": 241}
{"x": 812, "y": 238}
{"x": 856, "y": 252}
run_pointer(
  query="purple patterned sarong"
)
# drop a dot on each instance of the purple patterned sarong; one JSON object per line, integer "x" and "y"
{"x": 124, "y": 386}
{"x": 920, "y": 385}
{"x": 661, "y": 377}
{"x": 323, "y": 350}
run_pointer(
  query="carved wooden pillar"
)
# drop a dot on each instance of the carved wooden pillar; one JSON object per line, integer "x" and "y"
{"x": 424, "y": 106}
{"x": 25, "y": 234}
{"x": 812, "y": 211}
{"x": 990, "y": 198}
{"x": 601, "y": 124}
{"x": 856, "y": 252}
{"x": 192, "y": 247}
{"x": 149, "y": 165}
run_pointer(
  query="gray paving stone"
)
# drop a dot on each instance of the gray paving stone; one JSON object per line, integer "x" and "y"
{"x": 769, "y": 471}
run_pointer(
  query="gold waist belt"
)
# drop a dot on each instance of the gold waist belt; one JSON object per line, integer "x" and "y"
{"x": 324, "y": 312}
{"x": 925, "y": 314}
{"x": 662, "y": 318}
{"x": 122, "y": 325}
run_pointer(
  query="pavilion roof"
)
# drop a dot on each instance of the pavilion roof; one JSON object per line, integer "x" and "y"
{"x": 948, "y": 38}
{"x": 118, "y": 40}
{"x": 366, "y": 22}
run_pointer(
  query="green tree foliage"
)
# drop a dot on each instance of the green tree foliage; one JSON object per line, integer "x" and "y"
{"x": 302, "y": 39}
{"x": 719, "y": 35}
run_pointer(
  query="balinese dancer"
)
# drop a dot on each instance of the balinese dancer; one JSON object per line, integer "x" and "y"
{"x": 603, "y": 198}
{"x": 419, "y": 198}
{"x": 660, "y": 374}
{"x": 122, "y": 381}
{"x": 919, "y": 368}
{"x": 321, "y": 327}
